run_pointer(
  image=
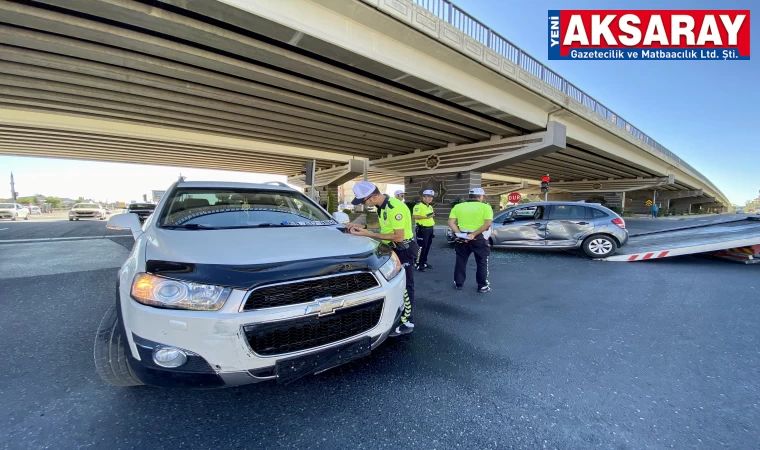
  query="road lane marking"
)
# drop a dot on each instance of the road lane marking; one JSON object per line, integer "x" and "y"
{"x": 18, "y": 241}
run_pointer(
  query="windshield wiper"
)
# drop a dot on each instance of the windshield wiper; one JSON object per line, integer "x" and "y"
{"x": 190, "y": 226}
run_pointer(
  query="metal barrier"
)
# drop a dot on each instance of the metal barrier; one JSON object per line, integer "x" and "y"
{"x": 452, "y": 14}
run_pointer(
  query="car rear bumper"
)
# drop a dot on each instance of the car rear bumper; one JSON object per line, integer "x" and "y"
{"x": 217, "y": 342}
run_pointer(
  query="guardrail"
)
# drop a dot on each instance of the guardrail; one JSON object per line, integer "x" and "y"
{"x": 449, "y": 12}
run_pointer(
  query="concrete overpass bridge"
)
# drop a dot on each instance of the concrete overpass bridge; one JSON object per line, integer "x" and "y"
{"x": 400, "y": 92}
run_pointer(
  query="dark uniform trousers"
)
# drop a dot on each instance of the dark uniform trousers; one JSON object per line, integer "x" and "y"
{"x": 407, "y": 256}
{"x": 478, "y": 246}
{"x": 424, "y": 241}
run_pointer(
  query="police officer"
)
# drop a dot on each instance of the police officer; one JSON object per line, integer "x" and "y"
{"x": 474, "y": 218}
{"x": 423, "y": 215}
{"x": 401, "y": 195}
{"x": 396, "y": 231}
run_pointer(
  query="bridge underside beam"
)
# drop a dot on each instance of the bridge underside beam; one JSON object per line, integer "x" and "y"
{"x": 479, "y": 157}
{"x": 672, "y": 195}
{"x": 619, "y": 185}
{"x": 691, "y": 201}
{"x": 334, "y": 176}
{"x": 34, "y": 133}
{"x": 503, "y": 188}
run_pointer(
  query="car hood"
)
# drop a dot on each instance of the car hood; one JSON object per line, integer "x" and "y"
{"x": 86, "y": 210}
{"x": 252, "y": 245}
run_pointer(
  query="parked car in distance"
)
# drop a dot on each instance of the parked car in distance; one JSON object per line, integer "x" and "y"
{"x": 597, "y": 230}
{"x": 87, "y": 211}
{"x": 36, "y": 210}
{"x": 143, "y": 210}
{"x": 13, "y": 211}
{"x": 237, "y": 283}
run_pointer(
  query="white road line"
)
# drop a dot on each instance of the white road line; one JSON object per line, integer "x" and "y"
{"x": 16, "y": 241}
{"x": 3, "y": 229}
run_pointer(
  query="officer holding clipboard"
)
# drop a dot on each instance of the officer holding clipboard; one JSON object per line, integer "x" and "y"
{"x": 395, "y": 231}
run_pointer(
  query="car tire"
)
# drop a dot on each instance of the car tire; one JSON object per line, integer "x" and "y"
{"x": 77, "y": 220}
{"x": 27, "y": 217}
{"x": 599, "y": 246}
{"x": 13, "y": 218}
{"x": 70, "y": 219}
{"x": 110, "y": 352}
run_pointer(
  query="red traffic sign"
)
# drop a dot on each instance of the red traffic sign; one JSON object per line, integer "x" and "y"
{"x": 514, "y": 197}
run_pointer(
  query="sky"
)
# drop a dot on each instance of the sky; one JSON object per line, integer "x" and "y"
{"x": 707, "y": 112}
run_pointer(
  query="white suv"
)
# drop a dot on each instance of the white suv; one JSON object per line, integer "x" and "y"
{"x": 87, "y": 211}
{"x": 233, "y": 283}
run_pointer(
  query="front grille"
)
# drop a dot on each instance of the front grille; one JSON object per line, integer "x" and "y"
{"x": 307, "y": 290}
{"x": 276, "y": 338}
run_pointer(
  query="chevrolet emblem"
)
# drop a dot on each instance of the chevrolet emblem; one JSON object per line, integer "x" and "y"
{"x": 324, "y": 306}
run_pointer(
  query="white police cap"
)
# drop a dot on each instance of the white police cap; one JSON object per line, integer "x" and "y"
{"x": 362, "y": 190}
{"x": 477, "y": 191}
{"x": 428, "y": 192}
{"x": 399, "y": 192}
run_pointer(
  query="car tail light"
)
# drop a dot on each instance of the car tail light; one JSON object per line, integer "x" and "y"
{"x": 619, "y": 222}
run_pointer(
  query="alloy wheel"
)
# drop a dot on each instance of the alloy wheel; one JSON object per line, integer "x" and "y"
{"x": 600, "y": 246}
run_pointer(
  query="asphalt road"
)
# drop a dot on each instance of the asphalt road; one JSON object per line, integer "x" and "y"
{"x": 42, "y": 227}
{"x": 564, "y": 353}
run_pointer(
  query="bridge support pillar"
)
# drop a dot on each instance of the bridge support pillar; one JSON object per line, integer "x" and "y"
{"x": 450, "y": 188}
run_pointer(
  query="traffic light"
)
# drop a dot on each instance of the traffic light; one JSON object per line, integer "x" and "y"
{"x": 545, "y": 183}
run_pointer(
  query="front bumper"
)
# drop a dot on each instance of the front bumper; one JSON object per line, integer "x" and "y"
{"x": 83, "y": 215}
{"x": 219, "y": 353}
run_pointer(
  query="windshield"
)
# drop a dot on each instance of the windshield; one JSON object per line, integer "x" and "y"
{"x": 7, "y": 205}
{"x": 86, "y": 206}
{"x": 240, "y": 208}
{"x": 142, "y": 206}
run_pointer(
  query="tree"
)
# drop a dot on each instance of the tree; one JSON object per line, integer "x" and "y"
{"x": 26, "y": 200}
{"x": 331, "y": 206}
{"x": 527, "y": 199}
{"x": 54, "y": 202}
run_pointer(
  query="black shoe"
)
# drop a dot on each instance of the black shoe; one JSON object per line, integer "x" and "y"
{"x": 457, "y": 287}
{"x": 484, "y": 289}
{"x": 427, "y": 266}
{"x": 404, "y": 328}
{"x": 420, "y": 269}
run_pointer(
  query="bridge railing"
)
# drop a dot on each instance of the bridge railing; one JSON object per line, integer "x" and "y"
{"x": 477, "y": 30}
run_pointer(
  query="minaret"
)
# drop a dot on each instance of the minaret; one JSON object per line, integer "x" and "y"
{"x": 13, "y": 190}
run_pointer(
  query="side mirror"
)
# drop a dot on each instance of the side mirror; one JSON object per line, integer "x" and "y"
{"x": 508, "y": 219}
{"x": 129, "y": 221}
{"x": 341, "y": 217}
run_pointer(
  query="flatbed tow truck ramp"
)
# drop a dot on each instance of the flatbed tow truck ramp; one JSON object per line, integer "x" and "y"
{"x": 737, "y": 240}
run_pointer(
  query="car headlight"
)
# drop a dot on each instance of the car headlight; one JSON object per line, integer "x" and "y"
{"x": 165, "y": 293}
{"x": 391, "y": 268}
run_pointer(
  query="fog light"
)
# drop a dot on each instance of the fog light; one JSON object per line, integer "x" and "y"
{"x": 169, "y": 357}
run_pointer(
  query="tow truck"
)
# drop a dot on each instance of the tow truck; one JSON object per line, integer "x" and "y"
{"x": 736, "y": 239}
